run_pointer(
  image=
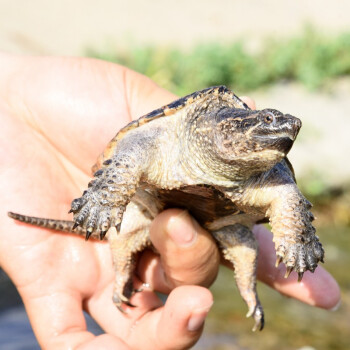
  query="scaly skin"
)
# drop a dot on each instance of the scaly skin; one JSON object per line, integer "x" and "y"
{"x": 209, "y": 139}
{"x": 103, "y": 204}
{"x": 240, "y": 247}
{"x": 59, "y": 225}
{"x": 276, "y": 195}
{"x": 134, "y": 237}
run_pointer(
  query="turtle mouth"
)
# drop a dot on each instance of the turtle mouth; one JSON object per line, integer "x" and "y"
{"x": 278, "y": 135}
{"x": 288, "y": 130}
{"x": 283, "y": 144}
{"x": 282, "y": 141}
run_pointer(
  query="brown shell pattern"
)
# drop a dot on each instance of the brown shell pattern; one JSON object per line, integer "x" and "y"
{"x": 166, "y": 111}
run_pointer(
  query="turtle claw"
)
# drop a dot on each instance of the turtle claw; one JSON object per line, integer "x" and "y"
{"x": 250, "y": 312}
{"x": 120, "y": 308}
{"x": 278, "y": 260}
{"x": 119, "y": 300}
{"x": 288, "y": 271}
{"x": 300, "y": 257}
{"x": 141, "y": 289}
{"x": 138, "y": 290}
{"x": 102, "y": 235}
{"x": 129, "y": 304}
{"x": 88, "y": 233}
{"x": 259, "y": 325}
{"x": 258, "y": 315}
{"x": 300, "y": 276}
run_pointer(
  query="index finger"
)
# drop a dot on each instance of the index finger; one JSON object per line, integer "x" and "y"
{"x": 249, "y": 101}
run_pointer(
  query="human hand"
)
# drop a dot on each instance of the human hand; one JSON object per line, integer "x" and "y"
{"x": 57, "y": 115}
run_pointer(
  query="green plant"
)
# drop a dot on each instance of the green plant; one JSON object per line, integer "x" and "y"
{"x": 310, "y": 58}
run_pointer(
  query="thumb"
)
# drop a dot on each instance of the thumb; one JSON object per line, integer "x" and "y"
{"x": 178, "y": 324}
{"x": 188, "y": 253}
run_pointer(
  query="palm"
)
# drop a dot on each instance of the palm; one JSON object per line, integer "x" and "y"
{"x": 49, "y": 144}
{"x": 52, "y": 145}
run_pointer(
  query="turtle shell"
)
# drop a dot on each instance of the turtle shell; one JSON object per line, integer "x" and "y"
{"x": 169, "y": 110}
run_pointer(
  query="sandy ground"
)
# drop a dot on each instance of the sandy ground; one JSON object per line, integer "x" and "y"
{"x": 65, "y": 27}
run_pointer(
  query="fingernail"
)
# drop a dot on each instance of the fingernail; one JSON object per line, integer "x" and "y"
{"x": 183, "y": 229}
{"x": 196, "y": 321}
{"x": 336, "y": 307}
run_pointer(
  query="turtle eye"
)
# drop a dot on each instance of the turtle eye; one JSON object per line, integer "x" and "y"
{"x": 269, "y": 118}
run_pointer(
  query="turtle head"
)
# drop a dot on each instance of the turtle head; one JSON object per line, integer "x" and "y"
{"x": 253, "y": 141}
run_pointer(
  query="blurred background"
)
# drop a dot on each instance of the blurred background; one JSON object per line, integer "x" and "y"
{"x": 292, "y": 56}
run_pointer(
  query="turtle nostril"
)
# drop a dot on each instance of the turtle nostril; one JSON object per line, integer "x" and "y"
{"x": 298, "y": 123}
{"x": 294, "y": 124}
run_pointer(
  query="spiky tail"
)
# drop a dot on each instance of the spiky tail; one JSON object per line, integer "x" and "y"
{"x": 59, "y": 225}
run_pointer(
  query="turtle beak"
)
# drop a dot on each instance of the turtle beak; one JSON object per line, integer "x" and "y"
{"x": 295, "y": 124}
{"x": 288, "y": 133}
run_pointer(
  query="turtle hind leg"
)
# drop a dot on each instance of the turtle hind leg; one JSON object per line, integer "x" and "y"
{"x": 133, "y": 238}
{"x": 124, "y": 254}
{"x": 240, "y": 247}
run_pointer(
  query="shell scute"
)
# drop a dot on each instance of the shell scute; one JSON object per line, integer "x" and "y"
{"x": 169, "y": 110}
{"x": 178, "y": 104}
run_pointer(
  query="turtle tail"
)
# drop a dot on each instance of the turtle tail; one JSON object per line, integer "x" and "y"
{"x": 52, "y": 224}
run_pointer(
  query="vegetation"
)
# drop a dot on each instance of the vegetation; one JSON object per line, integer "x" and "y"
{"x": 310, "y": 58}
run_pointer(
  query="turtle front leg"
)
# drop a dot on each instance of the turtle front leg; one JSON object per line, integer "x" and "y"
{"x": 240, "y": 247}
{"x": 275, "y": 195}
{"x": 103, "y": 204}
{"x": 295, "y": 240}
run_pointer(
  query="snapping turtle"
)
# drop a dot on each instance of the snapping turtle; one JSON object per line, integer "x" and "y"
{"x": 209, "y": 153}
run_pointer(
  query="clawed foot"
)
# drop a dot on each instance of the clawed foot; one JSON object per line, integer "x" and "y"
{"x": 300, "y": 257}
{"x": 94, "y": 212}
{"x": 102, "y": 205}
{"x": 120, "y": 298}
{"x": 258, "y": 314}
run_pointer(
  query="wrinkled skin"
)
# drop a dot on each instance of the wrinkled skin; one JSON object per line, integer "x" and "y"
{"x": 57, "y": 115}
